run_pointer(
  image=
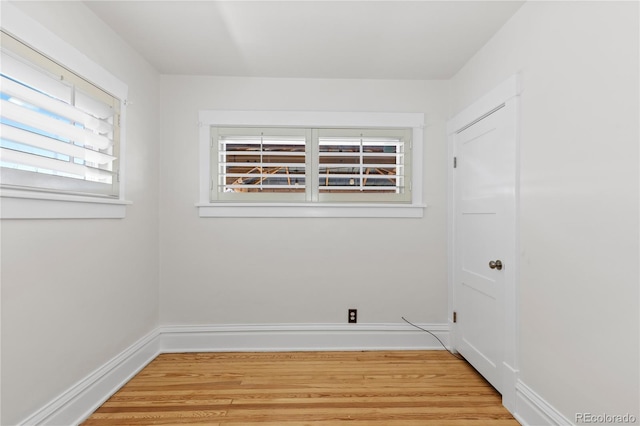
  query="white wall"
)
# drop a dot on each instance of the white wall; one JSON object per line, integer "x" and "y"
{"x": 579, "y": 324}
{"x": 77, "y": 292}
{"x": 273, "y": 271}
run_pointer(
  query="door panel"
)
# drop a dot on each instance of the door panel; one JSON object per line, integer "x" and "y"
{"x": 483, "y": 189}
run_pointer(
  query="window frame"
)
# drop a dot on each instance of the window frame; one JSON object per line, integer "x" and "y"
{"x": 19, "y": 203}
{"x": 310, "y": 119}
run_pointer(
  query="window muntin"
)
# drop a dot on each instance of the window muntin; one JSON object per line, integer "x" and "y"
{"x": 59, "y": 132}
{"x": 312, "y": 165}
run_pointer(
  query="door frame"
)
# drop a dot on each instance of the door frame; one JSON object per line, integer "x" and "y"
{"x": 507, "y": 93}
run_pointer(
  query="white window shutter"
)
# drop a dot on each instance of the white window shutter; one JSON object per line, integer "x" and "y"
{"x": 58, "y": 133}
{"x": 269, "y": 164}
{"x": 312, "y": 165}
{"x": 361, "y": 164}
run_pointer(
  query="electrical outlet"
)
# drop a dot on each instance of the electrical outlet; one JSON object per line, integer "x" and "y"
{"x": 353, "y": 316}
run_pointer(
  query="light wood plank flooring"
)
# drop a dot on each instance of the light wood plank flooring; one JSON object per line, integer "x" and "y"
{"x": 306, "y": 388}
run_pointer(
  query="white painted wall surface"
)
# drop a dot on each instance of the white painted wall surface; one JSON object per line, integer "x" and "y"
{"x": 75, "y": 293}
{"x": 297, "y": 271}
{"x": 579, "y": 324}
{"x": 579, "y": 222}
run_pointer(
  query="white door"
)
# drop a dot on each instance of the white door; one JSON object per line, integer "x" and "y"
{"x": 484, "y": 239}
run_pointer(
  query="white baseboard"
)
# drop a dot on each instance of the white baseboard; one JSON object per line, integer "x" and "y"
{"x": 304, "y": 337}
{"x": 533, "y": 410}
{"x": 78, "y": 402}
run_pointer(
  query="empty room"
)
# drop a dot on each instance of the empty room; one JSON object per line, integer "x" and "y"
{"x": 422, "y": 203}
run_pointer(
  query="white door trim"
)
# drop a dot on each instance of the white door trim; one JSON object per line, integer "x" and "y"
{"x": 505, "y": 93}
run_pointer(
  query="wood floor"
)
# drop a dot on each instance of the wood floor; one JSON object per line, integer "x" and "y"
{"x": 306, "y": 388}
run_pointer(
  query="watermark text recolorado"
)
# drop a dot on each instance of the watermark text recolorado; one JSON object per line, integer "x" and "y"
{"x": 613, "y": 419}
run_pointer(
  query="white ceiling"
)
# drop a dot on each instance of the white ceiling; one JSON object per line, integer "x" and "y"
{"x": 307, "y": 39}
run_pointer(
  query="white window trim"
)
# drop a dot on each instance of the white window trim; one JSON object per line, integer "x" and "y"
{"x": 209, "y": 118}
{"x": 19, "y": 204}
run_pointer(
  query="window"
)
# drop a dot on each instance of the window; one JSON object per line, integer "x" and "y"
{"x": 276, "y": 164}
{"x": 364, "y": 165}
{"x": 313, "y": 165}
{"x": 259, "y": 164}
{"x": 61, "y": 127}
{"x": 58, "y": 132}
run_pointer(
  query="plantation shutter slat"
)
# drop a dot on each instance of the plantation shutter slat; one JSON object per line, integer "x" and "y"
{"x": 47, "y": 163}
{"x": 26, "y": 117}
{"x": 32, "y": 77}
{"x": 93, "y": 106}
{"x": 36, "y": 140}
{"x": 20, "y": 92}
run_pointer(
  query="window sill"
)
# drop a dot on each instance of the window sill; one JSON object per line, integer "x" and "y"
{"x": 15, "y": 204}
{"x": 310, "y": 210}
